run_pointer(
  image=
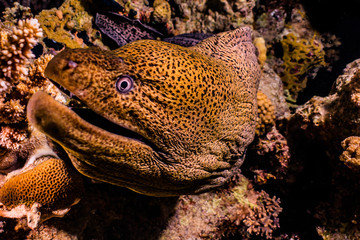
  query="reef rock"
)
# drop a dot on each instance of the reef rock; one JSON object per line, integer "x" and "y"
{"x": 333, "y": 118}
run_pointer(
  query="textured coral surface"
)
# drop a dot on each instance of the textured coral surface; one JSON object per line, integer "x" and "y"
{"x": 50, "y": 183}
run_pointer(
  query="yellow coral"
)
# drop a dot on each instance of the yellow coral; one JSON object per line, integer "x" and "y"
{"x": 300, "y": 57}
{"x": 266, "y": 114}
{"x": 52, "y": 183}
{"x": 71, "y": 15}
{"x": 162, "y": 11}
{"x": 261, "y": 47}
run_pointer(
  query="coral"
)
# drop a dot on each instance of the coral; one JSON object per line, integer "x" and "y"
{"x": 237, "y": 210}
{"x": 301, "y": 56}
{"x": 16, "y": 50}
{"x": 64, "y": 24}
{"x": 162, "y": 11}
{"x": 261, "y": 47}
{"x": 333, "y": 118}
{"x": 266, "y": 114}
{"x": 17, "y": 40}
{"x": 156, "y": 14}
{"x": 36, "y": 5}
{"x": 294, "y": 49}
{"x": 269, "y": 156}
{"x": 212, "y": 16}
{"x": 12, "y": 137}
{"x": 351, "y": 154}
{"x": 14, "y": 101}
{"x": 51, "y": 183}
{"x": 317, "y": 131}
{"x": 263, "y": 219}
{"x": 141, "y": 9}
{"x": 16, "y": 13}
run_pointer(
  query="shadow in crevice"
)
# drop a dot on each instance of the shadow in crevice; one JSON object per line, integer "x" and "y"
{"x": 343, "y": 20}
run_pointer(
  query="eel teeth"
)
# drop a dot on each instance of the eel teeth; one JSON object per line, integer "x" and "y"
{"x": 65, "y": 91}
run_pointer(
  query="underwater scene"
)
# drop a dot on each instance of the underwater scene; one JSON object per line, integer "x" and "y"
{"x": 178, "y": 119}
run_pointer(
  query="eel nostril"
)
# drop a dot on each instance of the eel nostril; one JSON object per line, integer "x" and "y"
{"x": 72, "y": 64}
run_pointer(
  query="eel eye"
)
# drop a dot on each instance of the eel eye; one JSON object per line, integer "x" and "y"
{"x": 124, "y": 84}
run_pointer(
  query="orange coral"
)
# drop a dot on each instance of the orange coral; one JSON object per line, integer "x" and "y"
{"x": 261, "y": 47}
{"x": 266, "y": 114}
{"x": 351, "y": 154}
{"x": 52, "y": 183}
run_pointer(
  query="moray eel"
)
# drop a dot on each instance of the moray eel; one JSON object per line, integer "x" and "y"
{"x": 173, "y": 120}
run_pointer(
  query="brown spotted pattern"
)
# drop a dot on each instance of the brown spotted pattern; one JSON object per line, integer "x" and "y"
{"x": 195, "y": 106}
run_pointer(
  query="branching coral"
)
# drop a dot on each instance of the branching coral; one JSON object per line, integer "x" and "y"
{"x": 17, "y": 40}
{"x": 16, "y": 13}
{"x": 16, "y": 50}
{"x": 270, "y": 156}
{"x": 14, "y": 100}
{"x": 263, "y": 219}
{"x": 301, "y": 56}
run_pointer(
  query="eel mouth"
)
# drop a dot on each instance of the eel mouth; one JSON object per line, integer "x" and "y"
{"x": 76, "y": 106}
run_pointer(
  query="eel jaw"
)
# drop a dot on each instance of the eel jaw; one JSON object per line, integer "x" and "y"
{"x": 41, "y": 107}
{"x": 95, "y": 152}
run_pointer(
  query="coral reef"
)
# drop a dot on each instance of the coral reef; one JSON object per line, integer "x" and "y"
{"x": 237, "y": 210}
{"x": 192, "y": 16}
{"x": 269, "y": 155}
{"x": 162, "y": 11}
{"x": 329, "y": 125}
{"x": 295, "y": 50}
{"x": 212, "y": 16}
{"x": 351, "y": 154}
{"x": 36, "y": 5}
{"x": 261, "y": 46}
{"x": 266, "y": 114}
{"x": 322, "y": 117}
{"x": 17, "y": 83}
{"x": 301, "y": 57}
{"x": 66, "y": 23}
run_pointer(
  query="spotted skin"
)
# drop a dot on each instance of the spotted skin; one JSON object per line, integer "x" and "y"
{"x": 196, "y": 106}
